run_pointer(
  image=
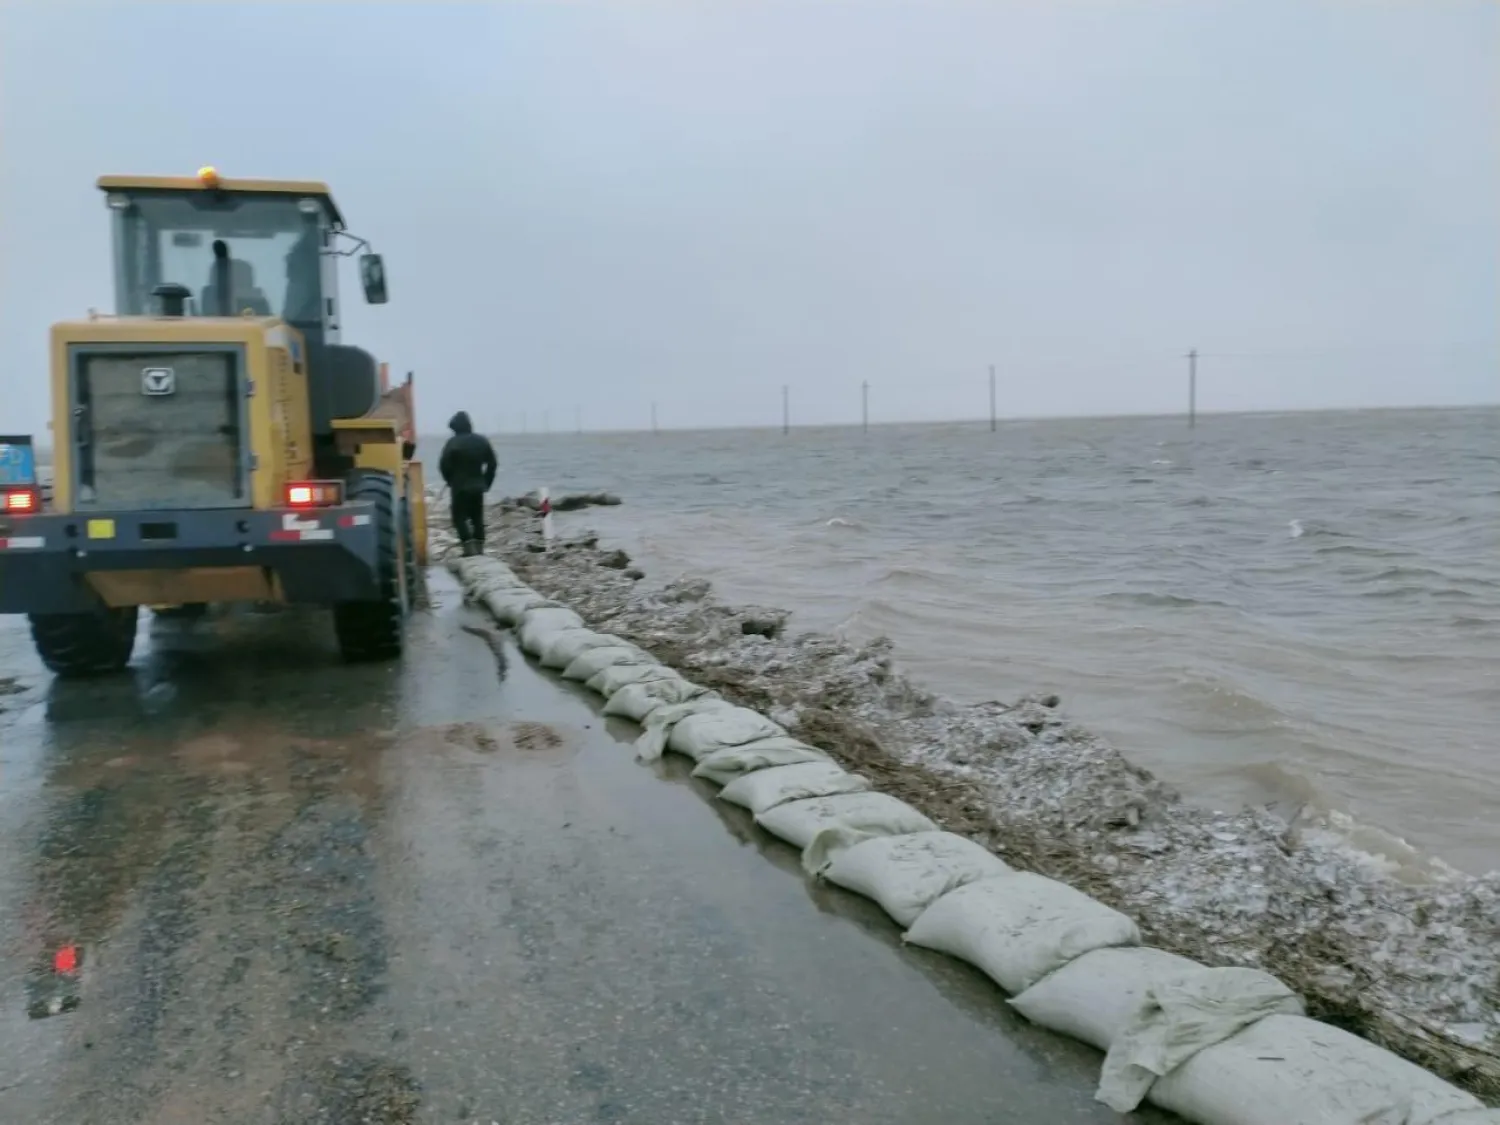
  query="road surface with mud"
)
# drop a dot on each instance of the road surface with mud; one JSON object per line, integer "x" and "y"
{"x": 250, "y": 885}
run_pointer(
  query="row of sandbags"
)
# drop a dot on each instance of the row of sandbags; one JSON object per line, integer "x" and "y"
{"x": 1226, "y": 1046}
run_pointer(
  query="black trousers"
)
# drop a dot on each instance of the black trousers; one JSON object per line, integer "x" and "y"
{"x": 468, "y": 515}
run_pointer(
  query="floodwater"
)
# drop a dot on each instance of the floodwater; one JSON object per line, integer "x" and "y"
{"x": 248, "y": 885}
{"x": 1298, "y": 609}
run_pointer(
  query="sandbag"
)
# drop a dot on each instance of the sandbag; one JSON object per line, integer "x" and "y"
{"x": 734, "y": 762}
{"x": 538, "y": 626}
{"x": 485, "y": 572}
{"x": 1181, "y": 1016}
{"x": 661, "y": 720}
{"x": 589, "y": 663}
{"x": 639, "y": 701}
{"x": 609, "y": 680}
{"x": 1095, "y": 998}
{"x": 509, "y": 606}
{"x": 865, "y": 814}
{"x": 704, "y": 733}
{"x": 1017, "y": 928}
{"x": 906, "y": 874}
{"x": 564, "y": 647}
{"x": 1290, "y": 1070}
{"x": 766, "y": 788}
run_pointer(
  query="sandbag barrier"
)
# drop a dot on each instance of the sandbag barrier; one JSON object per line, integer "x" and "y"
{"x": 1217, "y": 1046}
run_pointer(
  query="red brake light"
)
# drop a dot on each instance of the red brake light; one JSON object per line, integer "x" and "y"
{"x": 314, "y": 494}
{"x": 22, "y": 501}
{"x": 65, "y": 960}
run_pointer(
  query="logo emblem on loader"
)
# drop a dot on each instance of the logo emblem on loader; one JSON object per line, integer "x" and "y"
{"x": 158, "y": 381}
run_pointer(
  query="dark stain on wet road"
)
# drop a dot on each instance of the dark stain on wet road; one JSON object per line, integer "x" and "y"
{"x": 249, "y": 885}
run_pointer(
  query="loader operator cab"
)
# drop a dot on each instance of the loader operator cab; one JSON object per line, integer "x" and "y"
{"x": 261, "y": 253}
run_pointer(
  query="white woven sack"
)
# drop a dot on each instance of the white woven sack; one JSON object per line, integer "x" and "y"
{"x": 1017, "y": 928}
{"x": 1290, "y": 1070}
{"x": 706, "y": 732}
{"x": 1095, "y": 998}
{"x": 767, "y": 788}
{"x": 735, "y": 762}
{"x": 588, "y": 664}
{"x": 907, "y": 874}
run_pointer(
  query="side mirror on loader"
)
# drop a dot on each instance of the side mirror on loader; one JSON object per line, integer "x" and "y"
{"x": 372, "y": 277}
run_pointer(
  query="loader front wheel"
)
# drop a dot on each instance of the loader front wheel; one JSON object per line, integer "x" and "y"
{"x": 372, "y": 630}
{"x": 76, "y": 645}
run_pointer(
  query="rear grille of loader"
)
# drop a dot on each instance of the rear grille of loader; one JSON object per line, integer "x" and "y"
{"x": 159, "y": 431}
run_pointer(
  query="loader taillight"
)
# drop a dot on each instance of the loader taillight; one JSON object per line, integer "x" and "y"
{"x": 314, "y": 494}
{"x": 21, "y": 501}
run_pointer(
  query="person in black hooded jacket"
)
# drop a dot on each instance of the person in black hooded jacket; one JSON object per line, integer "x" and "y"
{"x": 468, "y": 468}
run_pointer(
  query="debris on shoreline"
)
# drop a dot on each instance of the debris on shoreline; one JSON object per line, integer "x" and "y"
{"x": 569, "y": 502}
{"x": 1413, "y": 968}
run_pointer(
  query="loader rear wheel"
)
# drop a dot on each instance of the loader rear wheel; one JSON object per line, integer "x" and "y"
{"x": 372, "y": 630}
{"x": 409, "y": 557}
{"x": 75, "y": 645}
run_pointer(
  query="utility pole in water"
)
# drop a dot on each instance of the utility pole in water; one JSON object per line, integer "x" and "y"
{"x": 1192, "y": 358}
{"x": 992, "y": 398}
{"x": 864, "y": 406}
{"x": 786, "y": 409}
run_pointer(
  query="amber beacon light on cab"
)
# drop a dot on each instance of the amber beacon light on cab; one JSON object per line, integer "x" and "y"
{"x": 213, "y": 440}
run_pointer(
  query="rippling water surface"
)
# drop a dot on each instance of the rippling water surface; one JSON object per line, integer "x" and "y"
{"x": 1301, "y": 609}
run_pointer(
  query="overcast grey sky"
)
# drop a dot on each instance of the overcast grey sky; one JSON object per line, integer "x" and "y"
{"x": 696, "y": 202}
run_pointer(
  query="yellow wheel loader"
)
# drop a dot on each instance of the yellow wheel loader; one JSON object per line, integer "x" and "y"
{"x": 213, "y": 440}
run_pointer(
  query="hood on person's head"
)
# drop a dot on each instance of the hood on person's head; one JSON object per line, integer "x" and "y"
{"x": 460, "y": 423}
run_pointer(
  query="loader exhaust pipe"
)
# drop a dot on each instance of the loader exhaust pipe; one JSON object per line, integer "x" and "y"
{"x": 222, "y": 296}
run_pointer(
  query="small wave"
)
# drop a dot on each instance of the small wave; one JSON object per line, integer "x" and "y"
{"x": 1358, "y": 549}
{"x": 1300, "y": 528}
{"x": 1162, "y": 601}
{"x": 1391, "y": 573}
{"x": 1299, "y": 799}
{"x": 899, "y": 575}
{"x": 1408, "y": 590}
{"x": 840, "y": 521}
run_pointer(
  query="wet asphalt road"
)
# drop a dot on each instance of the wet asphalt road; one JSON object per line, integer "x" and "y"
{"x": 299, "y": 893}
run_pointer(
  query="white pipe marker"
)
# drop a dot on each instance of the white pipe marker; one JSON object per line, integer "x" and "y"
{"x": 545, "y": 508}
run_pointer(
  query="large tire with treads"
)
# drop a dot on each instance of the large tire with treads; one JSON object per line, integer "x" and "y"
{"x": 373, "y": 630}
{"x": 409, "y": 557}
{"x": 75, "y": 645}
